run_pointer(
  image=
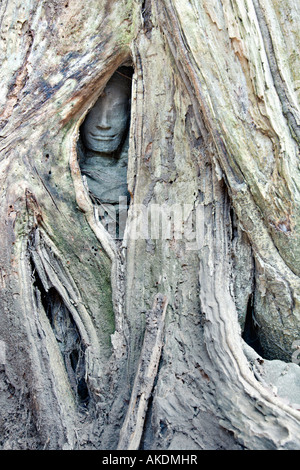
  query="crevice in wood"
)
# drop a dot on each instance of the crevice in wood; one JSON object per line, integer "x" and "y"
{"x": 66, "y": 334}
{"x": 251, "y": 329}
{"x": 57, "y": 298}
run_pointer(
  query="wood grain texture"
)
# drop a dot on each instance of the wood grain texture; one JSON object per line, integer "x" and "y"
{"x": 215, "y": 127}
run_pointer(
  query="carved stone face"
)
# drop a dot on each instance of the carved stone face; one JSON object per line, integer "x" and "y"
{"x": 106, "y": 123}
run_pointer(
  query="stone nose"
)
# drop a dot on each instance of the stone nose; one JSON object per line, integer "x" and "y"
{"x": 103, "y": 122}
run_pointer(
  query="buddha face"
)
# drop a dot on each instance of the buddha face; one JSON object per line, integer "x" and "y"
{"x": 106, "y": 122}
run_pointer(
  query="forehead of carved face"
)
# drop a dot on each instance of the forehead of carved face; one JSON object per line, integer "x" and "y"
{"x": 106, "y": 122}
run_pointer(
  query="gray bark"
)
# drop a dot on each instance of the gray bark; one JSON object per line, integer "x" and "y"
{"x": 214, "y": 130}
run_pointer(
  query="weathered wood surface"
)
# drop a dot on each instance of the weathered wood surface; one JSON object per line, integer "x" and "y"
{"x": 215, "y": 126}
{"x": 133, "y": 426}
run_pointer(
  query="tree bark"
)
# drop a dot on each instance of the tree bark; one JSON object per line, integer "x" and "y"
{"x": 214, "y": 136}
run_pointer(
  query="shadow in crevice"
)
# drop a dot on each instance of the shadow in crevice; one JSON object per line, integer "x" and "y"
{"x": 67, "y": 336}
{"x": 251, "y": 329}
